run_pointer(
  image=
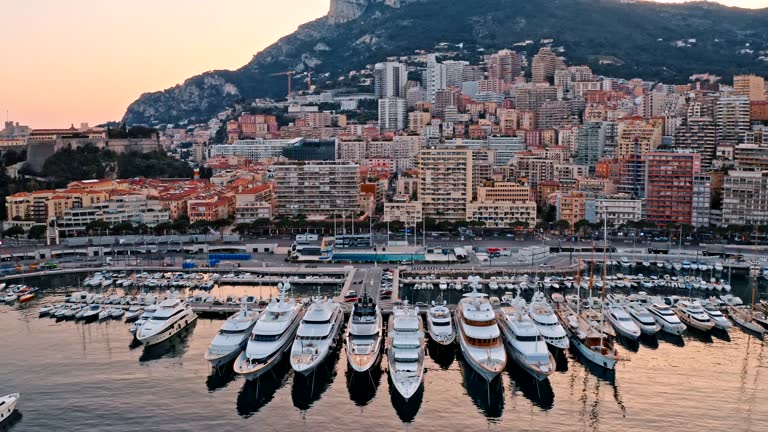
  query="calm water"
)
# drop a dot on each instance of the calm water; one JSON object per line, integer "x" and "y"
{"x": 79, "y": 377}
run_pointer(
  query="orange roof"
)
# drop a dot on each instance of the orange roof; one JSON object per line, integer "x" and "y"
{"x": 257, "y": 189}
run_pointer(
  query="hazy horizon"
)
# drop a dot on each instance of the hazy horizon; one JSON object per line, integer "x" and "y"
{"x": 81, "y": 62}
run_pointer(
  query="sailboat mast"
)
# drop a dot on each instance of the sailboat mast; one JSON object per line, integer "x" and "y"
{"x": 605, "y": 254}
{"x": 592, "y": 269}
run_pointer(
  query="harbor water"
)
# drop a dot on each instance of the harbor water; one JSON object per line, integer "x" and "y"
{"x": 75, "y": 377}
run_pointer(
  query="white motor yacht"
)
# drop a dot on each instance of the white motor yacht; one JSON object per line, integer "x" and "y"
{"x": 546, "y": 321}
{"x": 643, "y": 318}
{"x": 716, "y": 315}
{"x": 440, "y": 324}
{"x": 8, "y": 406}
{"x": 317, "y": 335}
{"x": 171, "y": 316}
{"x": 232, "y": 336}
{"x": 479, "y": 335}
{"x": 364, "y": 334}
{"x": 405, "y": 353}
{"x": 622, "y": 322}
{"x": 666, "y": 318}
{"x": 524, "y": 343}
{"x": 693, "y": 315}
{"x": 271, "y": 337}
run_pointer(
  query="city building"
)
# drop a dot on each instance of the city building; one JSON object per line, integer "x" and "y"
{"x": 750, "y": 86}
{"x": 316, "y": 189}
{"x": 544, "y": 65}
{"x": 745, "y": 198}
{"x": 131, "y": 208}
{"x": 434, "y": 78}
{"x": 698, "y": 134}
{"x": 504, "y": 65}
{"x": 617, "y": 209}
{"x": 732, "y": 117}
{"x": 255, "y": 149}
{"x": 669, "y": 187}
{"x": 392, "y": 114}
{"x": 390, "y": 79}
{"x": 445, "y": 183}
{"x": 256, "y": 203}
{"x": 638, "y": 136}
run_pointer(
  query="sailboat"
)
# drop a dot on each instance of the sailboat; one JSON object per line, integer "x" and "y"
{"x": 745, "y": 316}
{"x": 587, "y": 334}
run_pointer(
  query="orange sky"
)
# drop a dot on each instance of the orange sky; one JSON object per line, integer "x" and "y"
{"x": 72, "y": 61}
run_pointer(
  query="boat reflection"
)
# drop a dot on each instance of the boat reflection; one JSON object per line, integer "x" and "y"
{"x": 540, "y": 393}
{"x": 220, "y": 377}
{"x": 308, "y": 389}
{"x": 442, "y": 355}
{"x": 698, "y": 335}
{"x": 608, "y": 375}
{"x": 174, "y": 347}
{"x": 406, "y": 409}
{"x": 257, "y": 393}
{"x": 561, "y": 360}
{"x": 721, "y": 334}
{"x": 648, "y": 341}
{"x": 11, "y": 421}
{"x": 362, "y": 387}
{"x": 675, "y": 340}
{"x": 488, "y": 397}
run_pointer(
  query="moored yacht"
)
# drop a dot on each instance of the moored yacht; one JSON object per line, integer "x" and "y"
{"x": 317, "y": 335}
{"x": 622, "y": 322}
{"x": 364, "y": 334}
{"x": 172, "y": 316}
{"x": 587, "y": 336}
{"x": 546, "y": 321}
{"x": 666, "y": 318}
{"x": 232, "y": 337}
{"x": 479, "y": 335}
{"x": 716, "y": 315}
{"x": 693, "y": 315}
{"x": 643, "y": 318}
{"x": 271, "y": 337}
{"x": 440, "y": 324}
{"x": 7, "y": 406}
{"x": 405, "y": 353}
{"x": 524, "y": 343}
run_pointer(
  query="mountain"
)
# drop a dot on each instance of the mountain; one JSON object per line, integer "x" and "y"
{"x": 619, "y": 38}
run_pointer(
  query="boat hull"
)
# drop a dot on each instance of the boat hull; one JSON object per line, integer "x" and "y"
{"x": 218, "y": 360}
{"x": 306, "y": 368}
{"x": 540, "y": 373}
{"x": 251, "y": 372}
{"x": 694, "y": 324}
{"x": 487, "y": 373}
{"x": 169, "y": 332}
{"x": 8, "y": 407}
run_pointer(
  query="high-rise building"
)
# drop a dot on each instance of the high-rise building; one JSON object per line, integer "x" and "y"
{"x": 699, "y": 135}
{"x": 750, "y": 86}
{"x": 544, "y": 65}
{"x": 445, "y": 183}
{"x": 554, "y": 114}
{"x": 732, "y": 118}
{"x": 444, "y": 98}
{"x": 638, "y": 136}
{"x": 417, "y": 120}
{"x": 745, "y": 198}
{"x": 702, "y": 200}
{"x": 669, "y": 187}
{"x": 454, "y": 70}
{"x": 590, "y": 142}
{"x": 313, "y": 188}
{"x": 504, "y": 66}
{"x": 390, "y": 79}
{"x": 392, "y": 114}
{"x": 531, "y": 97}
{"x": 472, "y": 73}
{"x": 435, "y": 78}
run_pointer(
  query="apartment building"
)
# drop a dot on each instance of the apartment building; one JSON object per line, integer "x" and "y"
{"x": 745, "y": 198}
{"x": 669, "y": 187}
{"x": 316, "y": 188}
{"x": 445, "y": 182}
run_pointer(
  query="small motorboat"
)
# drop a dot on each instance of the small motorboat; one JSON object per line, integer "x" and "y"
{"x": 133, "y": 314}
{"x": 116, "y": 313}
{"x": 45, "y": 310}
{"x": 105, "y": 314}
{"x": 7, "y": 406}
{"x": 26, "y": 297}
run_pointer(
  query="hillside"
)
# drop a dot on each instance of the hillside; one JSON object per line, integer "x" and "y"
{"x": 641, "y": 38}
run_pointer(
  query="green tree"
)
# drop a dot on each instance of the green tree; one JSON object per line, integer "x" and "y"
{"x": 122, "y": 228}
{"x": 562, "y": 225}
{"x": 37, "y": 232}
{"x": 14, "y": 231}
{"x": 97, "y": 227}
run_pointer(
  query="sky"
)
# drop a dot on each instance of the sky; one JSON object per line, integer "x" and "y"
{"x": 74, "y": 61}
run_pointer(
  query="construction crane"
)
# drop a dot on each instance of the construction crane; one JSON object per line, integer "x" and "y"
{"x": 290, "y": 78}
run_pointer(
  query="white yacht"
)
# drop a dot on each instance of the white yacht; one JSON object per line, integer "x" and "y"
{"x": 364, "y": 334}
{"x": 271, "y": 337}
{"x": 440, "y": 324}
{"x": 232, "y": 337}
{"x": 525, "y": 344}
{"x": 7, "y": 406}
{"x": 744, "y": 317}
{"x": 172, "y": 316}
{"x": 546, "y": 321}
{"x": 693, "y": 315}
{"x": 666, "y": 318}
{"x": 716, "y": 315}
{"x": 479, "y": 335}
{"x": 318, "y": 334}
{"x": 146, "y": 316}
{"x": 622, "y": 322}
{"x": 643, "y": 318}
{"x": 405, "y": 353}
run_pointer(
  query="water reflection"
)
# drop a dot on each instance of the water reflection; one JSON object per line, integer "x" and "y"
{"x": 676, "y": 340}
{"x": 627, "y": 343}
{"x": 406, "y": 409}
{"x": 600, "y": 372}
{"x": 362, "y": 387}
{"x": 175, "y": 347}
{"x": 561, "y": 360}
{"x": 442, "y": 355}
{"x": 11, "y": 421}
{"x": 721, "y": 334}
{"x": 649, "y": 341}
{"x": 220, "y": 377}
{"x": 258, "y": 393}
{"x": 699, "y": 335}
{"x": 540, "y": 393}
{"x": 308, "y": 389}
{"x": 488, "y": 397}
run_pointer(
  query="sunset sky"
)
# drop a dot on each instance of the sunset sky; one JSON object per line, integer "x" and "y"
{"x": 73, "y": 61}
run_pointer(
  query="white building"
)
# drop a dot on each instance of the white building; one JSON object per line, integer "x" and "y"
{"x": 135, "y": 209}
{"x": 745, "y": 198}
{"x": 435, "y": 78}
{"x": 390, "y": 79}
{"x": 617, "y": 210}
{"x": 392, "y": 114}
{"x": 255, "y": 149}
